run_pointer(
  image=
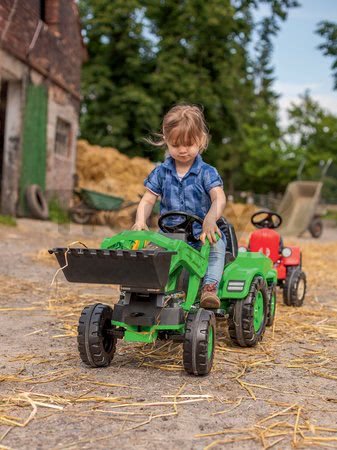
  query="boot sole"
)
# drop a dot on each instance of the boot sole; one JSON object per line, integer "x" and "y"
{"x": 210, "y": 303}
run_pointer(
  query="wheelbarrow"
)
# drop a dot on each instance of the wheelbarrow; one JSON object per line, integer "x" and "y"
{"x": 91, "y": 202}
{"x": 300, "y": 209}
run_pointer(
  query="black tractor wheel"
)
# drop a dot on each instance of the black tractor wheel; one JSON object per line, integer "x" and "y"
{"x": 248, "y": 317}
{"x": 198, "y": 347}
{"x": 271, "y": 305}
{"x": 295, "y": 286}
{"x": 96, "y": 344}
{"x": 316, "y": 227}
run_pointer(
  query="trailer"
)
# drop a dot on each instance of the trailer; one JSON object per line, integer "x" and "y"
{"x": 300, "y": 209}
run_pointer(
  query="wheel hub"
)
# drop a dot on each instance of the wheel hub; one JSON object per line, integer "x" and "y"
{"x": 210, "y": 342}
{"x": 108, "y": 339}
{"x": 258, "y": 312}
{"x": 300, "y": 289}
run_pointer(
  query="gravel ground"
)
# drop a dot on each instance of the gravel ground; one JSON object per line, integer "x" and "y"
{"x": 281, "y": 394}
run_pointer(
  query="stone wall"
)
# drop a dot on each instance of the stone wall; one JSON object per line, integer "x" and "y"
{"x": 54, "y": 49}
{"x": 40, "y": 47}
{"x": 60, "y": 168}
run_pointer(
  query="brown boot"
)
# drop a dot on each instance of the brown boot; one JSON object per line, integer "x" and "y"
{"x": 208, "y": 298}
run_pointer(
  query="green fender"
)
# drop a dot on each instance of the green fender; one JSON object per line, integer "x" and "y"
{"x": 239, "y": 274}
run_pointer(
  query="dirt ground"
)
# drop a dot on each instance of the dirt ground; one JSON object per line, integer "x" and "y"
{"x": 281, "y": 394}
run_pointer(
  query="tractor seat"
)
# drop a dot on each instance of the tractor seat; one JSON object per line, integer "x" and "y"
{"x": 267, "y": 241}
{"x": 232, "y": 242}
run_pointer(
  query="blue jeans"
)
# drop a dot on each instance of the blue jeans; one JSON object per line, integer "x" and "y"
{"x": 216, "y": 262}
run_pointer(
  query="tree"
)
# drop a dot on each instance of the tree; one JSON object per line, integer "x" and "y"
{"x": 312, "y": 138}
{"x": 264, "y": 165}
{"x": 328, "y": 30}
{"x": 117, "y": 108}
{"x": 202, "y": 58}
{"x": 146, "y": 55}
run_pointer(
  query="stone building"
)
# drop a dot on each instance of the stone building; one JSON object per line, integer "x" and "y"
{"x": 41, "y": 53}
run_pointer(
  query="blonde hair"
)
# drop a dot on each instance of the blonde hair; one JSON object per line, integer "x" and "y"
{"x": 183, "y": 125}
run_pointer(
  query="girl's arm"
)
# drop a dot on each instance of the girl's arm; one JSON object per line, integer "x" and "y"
{"x": 210, "y": 227}
{"x": 144, "y": 210}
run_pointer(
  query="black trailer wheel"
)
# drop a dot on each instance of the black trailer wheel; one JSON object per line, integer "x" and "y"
{"x": 198, "y": 347}
{"x": 295, "y": 286}
{"x": 248, "y": 317}
{"x": 271, "y": 305}
{"x": 96, "y": 344}
{"x": 80, "y": 215}
{"x": 316, "y": 227}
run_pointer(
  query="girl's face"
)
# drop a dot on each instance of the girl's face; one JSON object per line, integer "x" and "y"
{"x": 184, "y": 154}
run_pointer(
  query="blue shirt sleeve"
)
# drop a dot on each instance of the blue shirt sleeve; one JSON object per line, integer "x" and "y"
{"x": 153, "y": 181}
{"x": 211, "y": 178}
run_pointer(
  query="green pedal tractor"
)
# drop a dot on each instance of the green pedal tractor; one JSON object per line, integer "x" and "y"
{"x": 160, "y": 276}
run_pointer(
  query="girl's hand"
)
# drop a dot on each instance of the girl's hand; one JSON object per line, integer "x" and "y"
{"x": 209, "y": 228}
{"x": 139, "y": 226}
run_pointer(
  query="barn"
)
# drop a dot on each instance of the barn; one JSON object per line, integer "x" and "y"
{"x": 41, "y": 53}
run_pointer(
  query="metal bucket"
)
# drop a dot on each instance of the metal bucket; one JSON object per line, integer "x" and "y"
{"x": 133, "y": 268}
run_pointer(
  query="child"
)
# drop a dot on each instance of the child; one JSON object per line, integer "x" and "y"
{"x": 185, "y": 183}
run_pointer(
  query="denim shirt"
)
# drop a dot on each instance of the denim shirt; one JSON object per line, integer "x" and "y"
{"x": 188, "y": 194}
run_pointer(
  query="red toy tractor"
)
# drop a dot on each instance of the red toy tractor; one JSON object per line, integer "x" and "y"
{"x": 287, "y": 260}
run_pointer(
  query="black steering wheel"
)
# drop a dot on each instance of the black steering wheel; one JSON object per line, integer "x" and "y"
{"x": 186, "y": 226}
{"x": 269, "y": 219}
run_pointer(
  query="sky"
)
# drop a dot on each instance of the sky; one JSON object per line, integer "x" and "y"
{"x": 298, "y": 63}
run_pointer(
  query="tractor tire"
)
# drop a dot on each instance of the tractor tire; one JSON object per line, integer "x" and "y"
{"x": 271, "y": 305}
{"x": 248, "y": 317}
{"x": 295, "y": 286}
{"x": 198, "y": 347}
{"x": 95, "y": 344}
{"x": 316, "y": 227}
{"x": 36, "y": 202}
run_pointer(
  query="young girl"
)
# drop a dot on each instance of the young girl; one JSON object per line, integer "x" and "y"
{"x": 185, "y": 183}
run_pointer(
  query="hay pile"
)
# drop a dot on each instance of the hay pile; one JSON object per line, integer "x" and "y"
{"x": 108, "y": 171}
{"x": 239, "y": 214}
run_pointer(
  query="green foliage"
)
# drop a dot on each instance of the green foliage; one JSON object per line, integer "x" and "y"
{"x": 312, "y": 139}
{"x": 329, "y": 191}
{"x": 118, "y": 108}
{"x": 146, "y": 55}
{"x": 7, "y": 220}
{"x": 313, "y": 133}
{"x": 262, "y": 167}
{"x": 331, "y": 215}
{"x": 328, "y": 31}
{"x": 57, "y": 213}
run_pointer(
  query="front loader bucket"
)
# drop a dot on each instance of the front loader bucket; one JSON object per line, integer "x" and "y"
{"x": 133, "y": 268}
